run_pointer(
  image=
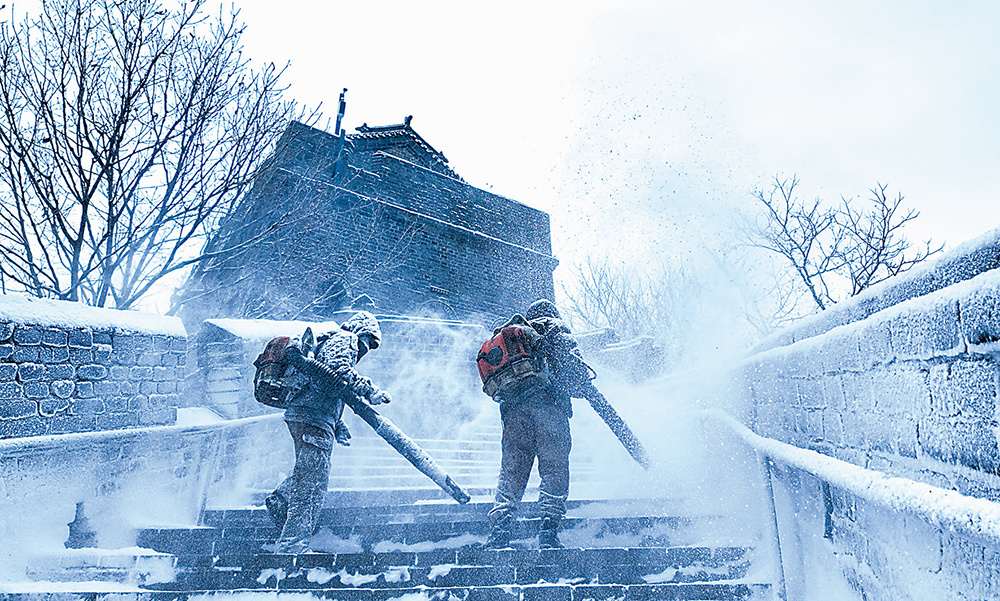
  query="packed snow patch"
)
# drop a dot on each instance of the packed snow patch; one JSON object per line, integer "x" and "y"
{"x": 355, "y": 579}
{"x": 671, "y": 574}
{"x": 319, "y": 576}
{"x": 392, "y": 575}
{"x": 396, "y": 575}
{"x": 277, "y": 573}
{"x": 441, "y": 570}
{"x": 454, "y": 542}
{"x": 325, "y": 541}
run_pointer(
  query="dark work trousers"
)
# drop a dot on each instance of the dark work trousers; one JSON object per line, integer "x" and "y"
{"x": 533, "y": 428}
{"x": 306, "y": 488}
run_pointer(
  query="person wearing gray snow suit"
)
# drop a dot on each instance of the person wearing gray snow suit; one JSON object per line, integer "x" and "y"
{"x": 314, "y": 420}
{"x": 535, "y": 413}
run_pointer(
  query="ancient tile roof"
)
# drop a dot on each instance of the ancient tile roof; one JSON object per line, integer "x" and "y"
{"x": 403, "y": 132}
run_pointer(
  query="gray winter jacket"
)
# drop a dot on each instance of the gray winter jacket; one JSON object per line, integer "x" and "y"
{"x": 322, "y": 406}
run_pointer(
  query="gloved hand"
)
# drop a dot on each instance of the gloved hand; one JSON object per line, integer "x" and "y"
{"x": 341, "y": 434}
{"x": 379, "y": 397}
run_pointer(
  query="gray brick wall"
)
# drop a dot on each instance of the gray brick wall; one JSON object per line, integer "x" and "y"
{"x": 57, "y": 380}
{"x": 907, "y": 382}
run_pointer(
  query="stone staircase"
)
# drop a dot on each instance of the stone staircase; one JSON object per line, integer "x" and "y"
{"x": 627, "y": 549}
{"x": 621, "y": 549}
{"x": 387, "y": 532}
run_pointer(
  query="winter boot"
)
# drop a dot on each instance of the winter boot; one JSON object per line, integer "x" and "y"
{"x": 277, "y": 506}
{"x": 500, "y": 533}
{"x": 548, "y": 534}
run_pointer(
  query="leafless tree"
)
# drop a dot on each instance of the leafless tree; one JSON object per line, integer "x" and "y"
{"x": 127, "y": 131}
{"x": 839, "y": 251}
{"x": 808, "y": 235}
{"x": 876, "y": 248}
{"x": 604, "y": 293}
{"x": 660, "y": 303}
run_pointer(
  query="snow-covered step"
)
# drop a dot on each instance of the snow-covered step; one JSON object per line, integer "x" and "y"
{"x": 468, "y": 566}
{"x": 629, "y": 549}
{"x": 259, "y": 517}
{"x": 693, "y": 591}
{"x": 133, "y": 566}
{"x": 589, "y": 531}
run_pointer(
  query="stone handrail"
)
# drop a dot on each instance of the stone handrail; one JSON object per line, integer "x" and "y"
{"x": 947, "y": 509}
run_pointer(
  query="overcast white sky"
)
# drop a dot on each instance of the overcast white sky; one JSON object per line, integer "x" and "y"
{"x": 639, "y": 125}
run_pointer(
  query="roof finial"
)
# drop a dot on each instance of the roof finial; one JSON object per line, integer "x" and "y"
{"x": 340, "y": 111}
{"x": 406, "y": 121}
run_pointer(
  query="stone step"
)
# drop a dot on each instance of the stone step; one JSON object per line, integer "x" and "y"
{"x": 413, "y": 478}
{"x": 571, "y": 559}
{"x": 428, "y": 512}
{"x": 404, "y": 468}
{"x": 132, "y": 566}
{"x": 367, "y": 444}
{"x": 355, "y": 497}
{"x": 467, "y": 567}
{"x": 698, "y": 591}
{"x": 425, "y": 491}
{"x": 429, "y": 444}
{"x": 581, "y": 532}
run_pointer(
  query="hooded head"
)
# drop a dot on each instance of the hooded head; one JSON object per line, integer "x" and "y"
{"x": 542, "y": 307}
{"x": 364, "y": 323}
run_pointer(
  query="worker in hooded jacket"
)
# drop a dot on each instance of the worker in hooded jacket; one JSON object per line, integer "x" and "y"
{"x": 535, "y": 414}
{"x": 314, "y": 420}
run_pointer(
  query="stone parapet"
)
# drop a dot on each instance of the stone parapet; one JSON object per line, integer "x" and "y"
{"x": 903, "y": 379}
{"x": 65, "y": 367}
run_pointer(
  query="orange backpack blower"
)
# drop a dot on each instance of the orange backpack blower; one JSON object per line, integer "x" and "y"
{"x": 506, "y": 360}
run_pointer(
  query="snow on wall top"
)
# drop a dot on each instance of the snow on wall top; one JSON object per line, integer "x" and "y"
{"x": 961, "y": 263}
{"x": 907, "y": 311}
{"x": 265, "y": 329}
{"x": 27, "y": 310}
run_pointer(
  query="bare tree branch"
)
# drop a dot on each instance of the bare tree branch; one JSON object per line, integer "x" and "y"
{"x": 878, "y": 250}
{"x": 128, "y": 131}
{"x": 836, "y": 252}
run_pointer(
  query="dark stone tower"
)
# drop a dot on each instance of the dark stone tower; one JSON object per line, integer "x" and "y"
{"x": 377, "y": 213}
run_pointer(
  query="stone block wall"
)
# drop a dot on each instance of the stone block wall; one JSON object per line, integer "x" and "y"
{"x": 407, "y": 262}
{"x": 913, "y": 388}
{"x": 69, "y": 368}
{"x": 427, "y": 192}
{"x": 377, "y": 170}
{"x": 909, "y": 389}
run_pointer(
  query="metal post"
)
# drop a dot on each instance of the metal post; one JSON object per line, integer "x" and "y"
{"x": 766, "y": 462}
